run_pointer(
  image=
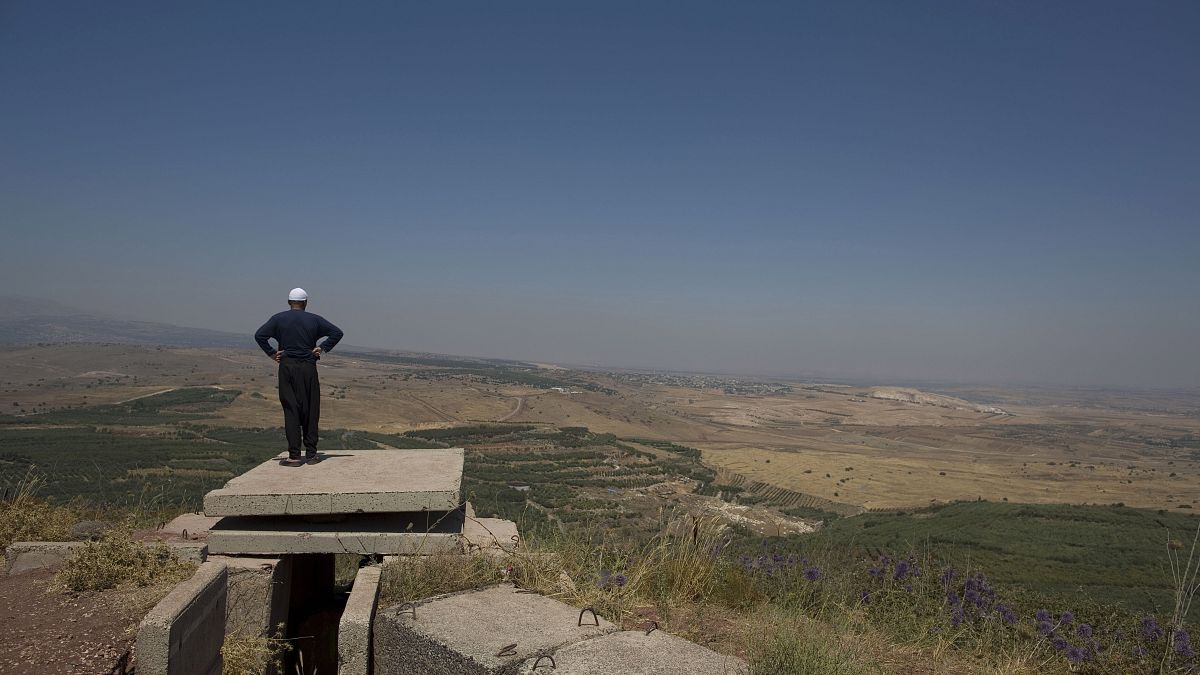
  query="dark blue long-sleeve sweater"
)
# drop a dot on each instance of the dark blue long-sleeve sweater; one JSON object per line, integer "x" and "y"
{"x": 297, "y": 332}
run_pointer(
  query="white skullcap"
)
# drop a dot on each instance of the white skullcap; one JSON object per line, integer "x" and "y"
{"x": 298, "y": 295}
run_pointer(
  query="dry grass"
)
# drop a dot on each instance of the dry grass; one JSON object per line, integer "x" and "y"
{"x": 414, "y": 578}
{"x": 676, "y": 568}
{"x": 888, "y": 474}
{"x": 117, "y": 561}
{"x": 244, "y": 654}
{"x": 25, "y": 517}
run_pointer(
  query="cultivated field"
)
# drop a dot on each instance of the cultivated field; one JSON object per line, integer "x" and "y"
{"x": 826, "y": 446}
{"x": 614, "y": 453}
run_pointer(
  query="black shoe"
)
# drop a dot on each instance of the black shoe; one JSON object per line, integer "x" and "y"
{"x": 314, "y": 458}
{"x": 291, "y": 461}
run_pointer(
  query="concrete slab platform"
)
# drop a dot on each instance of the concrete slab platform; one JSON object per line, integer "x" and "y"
{"x": 488, "y": 631}
{"x": 348, "y": 481}
{"x": 366, "y": 534}
{"x": 636, "y": 653}
{"x": 354, "y": 628}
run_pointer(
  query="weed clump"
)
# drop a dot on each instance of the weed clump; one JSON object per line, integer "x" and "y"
{"x": 419, "y": 577}
{"x": 26, "y": 517}
{"x": 117, "y": 561}
{"x": 254, "y": 653}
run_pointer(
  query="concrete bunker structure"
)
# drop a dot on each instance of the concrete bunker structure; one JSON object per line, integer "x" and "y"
{"x": 276, "y": 533}
{"x": 294, "y": 553}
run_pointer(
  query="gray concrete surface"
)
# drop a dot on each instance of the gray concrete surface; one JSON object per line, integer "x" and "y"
{"x": 189, "y": 551}
{"x": 258, "y": 594}
{"x": 348, "y": 481}
{"x": 490, "y": 535}
{"x": 25, "y": 556}
{"x": 468, "y": 632}
{"x": 184, "y": 632}
{"x": 636, "y": 653}
{"x": 354, "y": 629}
{"x": 190, "y": 527}
{"x": 367, "y": 534}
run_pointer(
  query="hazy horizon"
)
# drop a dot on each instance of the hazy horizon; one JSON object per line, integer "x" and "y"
{"x": 975, "y": 193}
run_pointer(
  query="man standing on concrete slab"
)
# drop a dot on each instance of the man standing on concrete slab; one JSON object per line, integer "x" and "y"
{"x": 297, "y": 331}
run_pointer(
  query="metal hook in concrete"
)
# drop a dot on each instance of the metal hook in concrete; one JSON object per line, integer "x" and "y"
{"x": 537, "y": 663}
{"x": 594, "y": 617}
{"x": 508, "y": 650}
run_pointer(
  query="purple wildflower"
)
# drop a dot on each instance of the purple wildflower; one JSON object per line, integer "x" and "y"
{"x": 908, "y": 588}
{"x": 953, "y": 599}
{"x": 972, "y": 596}
{"x": 1183, "y": 645}
{"x": 864, "y": 597}
{"x": 1045, "y": 628}
{"x": 1151, "y": 631}
{"x": 1041, "y": 615}
{"x": 901, "y": 570}
{"x": 812, "y": 574}
{"x": 1060, "y": 644}
{"x": 1084, "y": 630}
{"x": 874, "y": 572}
{"x": 947, "y": 576}
{"x": 620, "y": 580}
{"x": 956, "y": 616}
{"x": 1076, "y": 655}
{"x": 1007, "y": 615}
{"x": 1066, "y": 618}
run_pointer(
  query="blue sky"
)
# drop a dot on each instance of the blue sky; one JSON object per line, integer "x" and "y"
{"x": 975, "y": 191}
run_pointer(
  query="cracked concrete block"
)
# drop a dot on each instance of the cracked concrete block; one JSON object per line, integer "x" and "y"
{"x": 348, "y": 481}
{"x": 354, "y": 629}
{"x": 488, "y": 631}
{"x": 636, "y": 653}
{"x": 184, "y": 632}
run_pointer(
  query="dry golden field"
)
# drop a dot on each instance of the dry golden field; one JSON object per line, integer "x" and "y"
{"x": 830, "y": 441}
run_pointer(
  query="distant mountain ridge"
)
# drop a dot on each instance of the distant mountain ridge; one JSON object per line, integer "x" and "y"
{"x": 25, "y": 320}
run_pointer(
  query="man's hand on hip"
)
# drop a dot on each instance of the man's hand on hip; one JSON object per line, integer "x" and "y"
{"x": 317, "y": 352}
{"x": 277, "y": 356}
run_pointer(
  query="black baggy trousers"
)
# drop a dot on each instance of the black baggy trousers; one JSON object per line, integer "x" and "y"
{"x": 300, "y": 394}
